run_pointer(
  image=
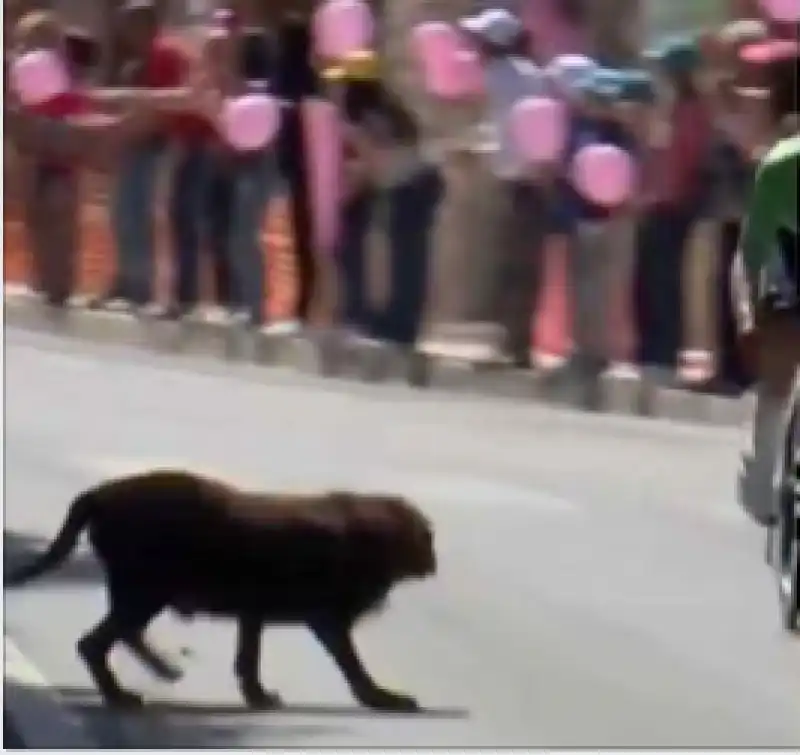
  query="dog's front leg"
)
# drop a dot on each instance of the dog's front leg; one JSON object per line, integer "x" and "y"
{"x": 247, "y": 664}
{"x": 335, "y": 638}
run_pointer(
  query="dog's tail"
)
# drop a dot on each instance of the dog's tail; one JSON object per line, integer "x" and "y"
{"x": 78, "y": 517}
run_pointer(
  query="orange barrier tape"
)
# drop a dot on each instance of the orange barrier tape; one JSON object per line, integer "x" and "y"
{"x": 97, "y": 257}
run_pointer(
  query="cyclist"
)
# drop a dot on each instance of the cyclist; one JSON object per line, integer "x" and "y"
{"x": 766, "y": 285}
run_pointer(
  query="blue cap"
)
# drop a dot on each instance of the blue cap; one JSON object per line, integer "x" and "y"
{"x": 605, "y": 85}
{"x": 637, "y": 86}
{"x": 677, "y": 55}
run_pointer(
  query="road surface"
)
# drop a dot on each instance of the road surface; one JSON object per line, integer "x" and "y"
{"x": 598, "y": 586}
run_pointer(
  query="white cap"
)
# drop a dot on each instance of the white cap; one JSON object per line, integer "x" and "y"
{"x": 131, "y": 6}
{"x": 497, "y": 26}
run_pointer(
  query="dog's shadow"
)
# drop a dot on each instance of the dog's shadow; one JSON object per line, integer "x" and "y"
{"x": 88, "y": 700}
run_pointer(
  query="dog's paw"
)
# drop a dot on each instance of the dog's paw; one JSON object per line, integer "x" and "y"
{"x": 262, "y": 699}
{"x": 123, "y": 699}
{"x": 386, "y": 700}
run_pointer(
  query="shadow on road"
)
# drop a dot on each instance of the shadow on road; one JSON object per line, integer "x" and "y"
{"x": 156, "y": 729}
{"x": 21, "y": 548}
{"x": 171, "y": 724}
{"x": 85, "y": 696}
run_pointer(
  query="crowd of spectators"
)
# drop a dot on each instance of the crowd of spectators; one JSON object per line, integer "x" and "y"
{"x": 692, "y": 115}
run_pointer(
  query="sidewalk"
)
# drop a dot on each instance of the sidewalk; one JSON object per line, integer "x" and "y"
{"x": 623, "y": 390}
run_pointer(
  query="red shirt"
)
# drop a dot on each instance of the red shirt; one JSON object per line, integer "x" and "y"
{"x": 167, "y": 66}
{"x": 691, "y": 138}
{"x": 64, "y": 105}
{"x": 164, "y": 66}
{"x": 61, "y": 107}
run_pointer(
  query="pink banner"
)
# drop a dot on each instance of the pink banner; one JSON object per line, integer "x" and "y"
{"x": 323, "y": 136}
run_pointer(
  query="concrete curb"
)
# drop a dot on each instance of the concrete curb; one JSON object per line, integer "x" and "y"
{"x": 622, "y": 389}
{"x": 37, "y": 715}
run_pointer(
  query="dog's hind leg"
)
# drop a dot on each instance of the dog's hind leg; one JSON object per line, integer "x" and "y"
{"x": 158, "y": 662}
{"x": 93, "y": 648}
{"x": 247, "y": 663}
{"x": 126, "y": 620}
{"x": 335, "y": 637}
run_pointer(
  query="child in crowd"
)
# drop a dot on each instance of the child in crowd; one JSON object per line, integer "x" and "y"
{"x": 599, "y": 234}
{"x": 678, "y": 194}
{"x": 385, "y": 173}
{"x": 199, "y": 198}
{"x": 354, "y": 86}
{"x": 51, "y": 188}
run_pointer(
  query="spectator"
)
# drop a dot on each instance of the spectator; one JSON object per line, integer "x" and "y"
{"x": 409, "y": 195}
{"x": 678, "y": 196}
{"x": 296, "y": 80}
{"x": 148, "y": 61}
{"x": 199, "y": 197}
{"x": 510, "y": 76}
{"x": 601, "y": 234}
{"x": 354, "y": 86}
{"x": 51, "y": 184}
{"x": 251, "y": 180}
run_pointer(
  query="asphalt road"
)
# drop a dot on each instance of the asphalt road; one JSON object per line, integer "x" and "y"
{"x": 598, "y": 585}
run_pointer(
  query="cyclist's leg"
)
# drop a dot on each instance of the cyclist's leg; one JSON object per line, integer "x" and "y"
{"x": 777, "y": 357}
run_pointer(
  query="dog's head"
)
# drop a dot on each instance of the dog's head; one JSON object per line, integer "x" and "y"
{"x": 411, "y": 538}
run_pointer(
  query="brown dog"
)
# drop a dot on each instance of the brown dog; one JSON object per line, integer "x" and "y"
{"x": 174, "y": 539}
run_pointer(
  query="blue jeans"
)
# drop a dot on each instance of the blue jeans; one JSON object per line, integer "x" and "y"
{"x": 351, "y": 257}
{"x": 410, "y": 212}
{"x": 198, "y": 213}
{"x": 253, "y": 180}
{"x": 132, "y": 221}
{"x": 661, "y": 246}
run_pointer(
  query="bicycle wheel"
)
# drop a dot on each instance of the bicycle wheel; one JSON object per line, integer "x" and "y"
{"x": 787, "y": 534}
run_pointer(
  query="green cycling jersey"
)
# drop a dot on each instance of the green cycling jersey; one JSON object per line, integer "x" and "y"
{"x": 773, "y": 205}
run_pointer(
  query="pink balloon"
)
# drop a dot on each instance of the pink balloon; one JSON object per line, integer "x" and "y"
{"x": 342, "y": 27}
{"x": 783, "y": 11}
{"x": 604, "y": 174}
{"x": 322, "y": 132}
{"x": 469, "y": 72}
{"x": 761, "y": 53}
{"x": 38, "y": 77}
{"x": 449, "y": 70}
{"x": 539, "y": 128}
{"x": 250, "y": 122}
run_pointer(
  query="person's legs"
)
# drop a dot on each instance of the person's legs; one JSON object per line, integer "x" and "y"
{"x": 521, "y": 281}
{"x": 351, "y": 261}
{"x": 132, "y": 223}
{"x": 732, "y": 371}
{"x": 53, "y": 226}
{"x": 411, "y": 214}
{"x": 300, "y": 204}
{"x": 589, "y": 292}
{"x": 621, "y": 250}
{"x": 218, "y": 208}
{"x": 254, "y": 178}
{"x": 659, "y": 256}
{"x": 187, "y": 219}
